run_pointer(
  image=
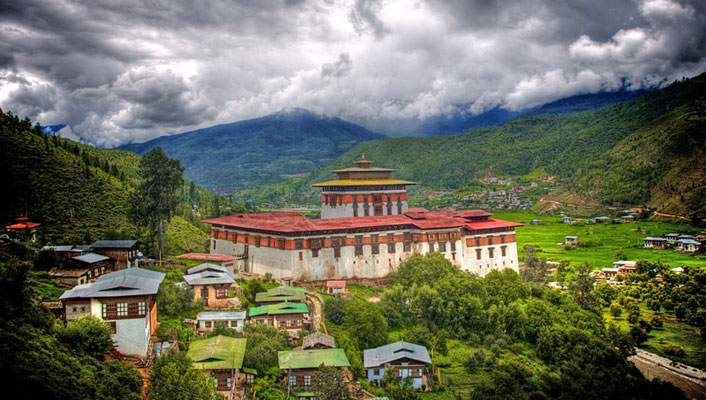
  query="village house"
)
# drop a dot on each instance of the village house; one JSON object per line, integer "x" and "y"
{"x": 222, "y": 358}
{"x": 126, "y": 299}
{"x": 654, "y": 242}
{"x": 688, "y": 245}
{"x": 300, "y": 366}
{"x": 627, "y": 218}
{"x": 125, "y": 252}
{"x": 366, "y": 230}
{"x": 335, "y": 287}
{"x": 672, "y": 238}
{"x": 206, "y": 320}
{"x": 82, "y": 269}
{"x": 23, "y": 226}
{"x": 600, "y": 220}
{"x": 287, "y": 315}
{"x": 318, "y": 340}
{"x": 233, "y": 264}
{"x": 211, "y": 286}
{"x": 625, "y": 267}
{"x": 66, "y": 252}
{"x": 573, "y": 240}
{"x": 566, "y": 220}
{"x": 280, "y": 294}
{"x": 407, "y": 359}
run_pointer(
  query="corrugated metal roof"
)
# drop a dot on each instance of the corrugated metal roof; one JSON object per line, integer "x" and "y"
{"x": 363, "y": 182}
{"x": 296, "y": 359}
{"x": 208, "y": 278}
{"x": 395, "y": 351}
{"x": 206, "y": 266}
{"x": 208, "y": 257}
{"x": 123, "y": 283}
{"x": 220, "y": 315}
{"x": 279, "y": 308}
{"x": 113, "y": 244}
{"x": 316, "y": 338}
{"x": 281, "y": 293}
{"x": 90, "y": 258}
{"x": 218, "y": 352}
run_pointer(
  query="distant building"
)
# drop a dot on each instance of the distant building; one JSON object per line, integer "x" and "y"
{"x": 233, "y": 264}
{"x": 610, "y": 273}
{"x": 536, "y": 222}
{"x": 221, "y": 357}
{"x": 318, "y": 340}
{"x": 566, "y": 220}
{"x": 571, "y": 239}
{"x": 627, "y": 218}
{"x": 125, "y": 252}
{"x": 688, "y": 245}
{"x": 625, "y": 267}
{"x": 280, "y": 294}
{"x": 407, "y": 359}
{"x": 24, "y": 226}
{"x": 672, "y": 238}
{"x": 82, "y": 269}
{"x": 599, "y": 220}
{"x": 126, "y": 299}
{"x": 654, "y": 242}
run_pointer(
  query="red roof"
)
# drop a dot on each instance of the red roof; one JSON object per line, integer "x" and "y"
{"x": 208, "y": 257}
{"x": 23, "y": 225}
{"x": 292, "y": 222}
{"x": 335, "y": 283}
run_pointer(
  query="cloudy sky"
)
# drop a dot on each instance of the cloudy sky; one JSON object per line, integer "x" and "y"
{"x": 130, "y": 70}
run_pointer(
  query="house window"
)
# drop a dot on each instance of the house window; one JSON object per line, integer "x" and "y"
{"x": 490, "y": 240}
{"x": 122, "y": 309}
{"x": 378, "y": 210}
{"x": 477, "y": 241}
{"x": 142, "y": 308}
{"x": 377, "y": 198}
{"x": 407, "y": 246}
{"x": 314, "y": 252}
{"x": 502, "y": 239}
{"x": 477, "y": 254}
{"x": 355, "y": 209}
{"x": 221, "y": 293}
{"x": 298, "y": 244}
{"x": 337, "y": 252}
{"x": 292, "y": 380}
{"x": 490, "y": 252}
{"x": 229, "y": 382}
{"x": 390, "y": 242}
{"x": 307, "y": 380}
{"x": 442, "y": 247}
{"x": 503, "y": 250}
{"x": 207, "y": 324}
{"x": 301, "y": 256}
{"x": 453, "y": 246}
{"x": 358, "y": 249}
{"x": 280, "y": 244}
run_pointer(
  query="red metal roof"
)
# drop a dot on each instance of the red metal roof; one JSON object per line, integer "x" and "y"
{"x": 22, "y": 225}
{"x": 335, "y": 283}
{"x": 208, "y": 257}
{"x": 292, "y": 222}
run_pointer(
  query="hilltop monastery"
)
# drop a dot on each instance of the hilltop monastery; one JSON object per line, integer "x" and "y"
{"x": 366, "y": 230}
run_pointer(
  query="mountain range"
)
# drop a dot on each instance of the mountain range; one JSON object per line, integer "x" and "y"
{"x": 245, "y": 154}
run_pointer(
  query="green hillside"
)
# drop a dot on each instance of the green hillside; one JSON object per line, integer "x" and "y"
{"x": 659, "y": 123}
{"x": 78, "y": 193}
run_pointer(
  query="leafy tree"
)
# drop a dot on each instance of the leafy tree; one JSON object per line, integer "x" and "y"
{"x": 88, "y": 334}
{"x": 263, "y": 344}
{"x": 581, "y": 288}
{"x": 365, "y": 323}
{"x": 173, "y": 378}
{"x": 173, "y": 299}
{"x": 46, "y": 260}
{"x": 616, "y": 310}
{"x": 329, "y": 384}
{"x": 156, "y": 197}
{"x": 334, "y": 309}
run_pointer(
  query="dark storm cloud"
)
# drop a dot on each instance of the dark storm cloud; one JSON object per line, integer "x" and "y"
{"x": 129, "y": 70}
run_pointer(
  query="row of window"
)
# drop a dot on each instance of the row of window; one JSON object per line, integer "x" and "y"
{"x": 491, "y": 252}
{"x": 125, "y": 309}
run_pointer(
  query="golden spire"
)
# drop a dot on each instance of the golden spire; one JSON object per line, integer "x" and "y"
{"x": 363, "y": 163}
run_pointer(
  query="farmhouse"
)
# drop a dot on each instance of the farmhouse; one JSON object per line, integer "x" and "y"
{"x": 126, "y": 299}
{"x": 688, "y": 245}
{"x": 206, "y": 320}
{"x": 366, "y": 231}
{"x": 654, "y": 242}
{"x": 318, "y": 340}
{"x": 210, "y": 286}
{"x": 222, "y": 357}
{"x": 571, "y": 239}
{"x": 124, "y": 252}
{"x": 290, "y": 316}
{"x": 300, "y": 365}
{"x": 407, "y": 359}
{"x": 335, "y": 287}
{"x": 82, "y": 269}
{"x": 230, "y": 263}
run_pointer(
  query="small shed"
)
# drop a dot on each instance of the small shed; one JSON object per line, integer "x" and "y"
{"x": 318, "y": 340}
{"x": 335, "y": 287}
{"x": 571, "y": 239}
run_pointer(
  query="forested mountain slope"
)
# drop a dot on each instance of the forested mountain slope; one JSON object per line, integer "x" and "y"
{"x": 77, "y": 192}
{"x": 258, "y": 151}
{"x": 565, "y": 145}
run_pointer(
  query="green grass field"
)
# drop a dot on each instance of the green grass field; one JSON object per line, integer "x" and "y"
{"x": 625, "y": 237}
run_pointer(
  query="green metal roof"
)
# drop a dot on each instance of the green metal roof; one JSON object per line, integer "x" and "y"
{"x": 251, "y": 371}
{"x": 279, "y": 308}
{"x": 312, "y": 358}
{"x": 280, "y": 294}
{"x": 219, "y": 352}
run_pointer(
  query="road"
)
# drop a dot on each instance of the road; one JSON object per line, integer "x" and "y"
{"x": 691, "y": 380}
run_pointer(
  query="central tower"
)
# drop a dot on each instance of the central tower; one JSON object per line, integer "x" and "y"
{"x": 363, "y": 191}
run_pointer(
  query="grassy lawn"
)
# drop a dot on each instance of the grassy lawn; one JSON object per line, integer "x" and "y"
{"x": 672, "y": 333}
{"x": 625, "y": 237}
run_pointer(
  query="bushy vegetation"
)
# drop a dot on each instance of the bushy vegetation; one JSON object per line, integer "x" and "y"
{"x": 489, "y": 331}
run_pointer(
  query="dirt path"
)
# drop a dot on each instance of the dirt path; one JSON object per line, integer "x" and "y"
{"x": 318, "y": 303}
{"x": 691, "y": 380}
